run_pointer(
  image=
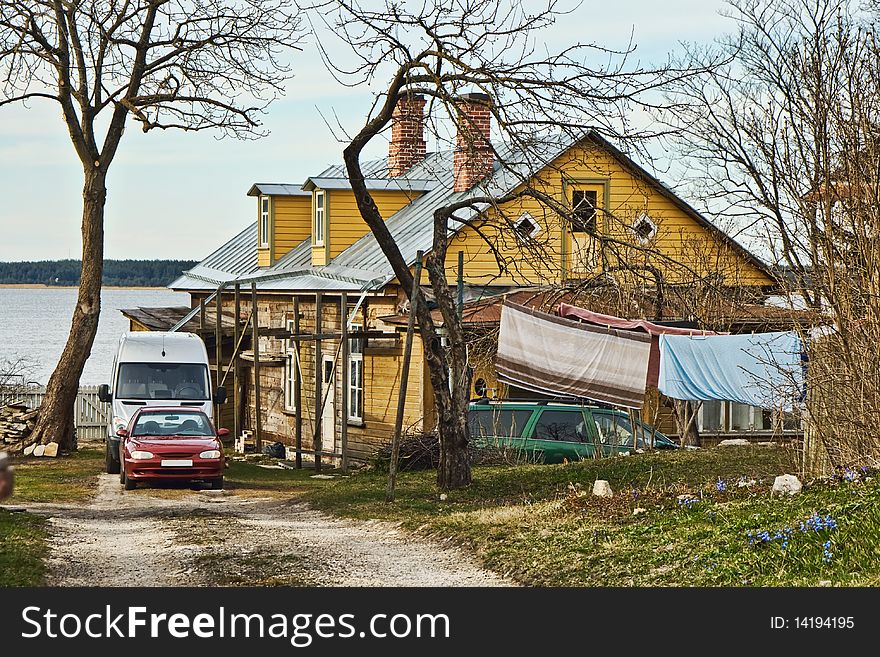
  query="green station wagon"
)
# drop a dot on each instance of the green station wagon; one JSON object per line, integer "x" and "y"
{"x": 553, "y": 432}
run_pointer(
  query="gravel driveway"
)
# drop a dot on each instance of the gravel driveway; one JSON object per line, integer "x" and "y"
{"x": 223, "y": 538}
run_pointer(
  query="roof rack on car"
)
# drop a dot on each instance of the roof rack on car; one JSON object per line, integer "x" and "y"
{"x": 543, "y": 402}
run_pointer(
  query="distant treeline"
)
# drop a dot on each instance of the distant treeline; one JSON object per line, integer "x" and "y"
{"x": 122, "y": 273}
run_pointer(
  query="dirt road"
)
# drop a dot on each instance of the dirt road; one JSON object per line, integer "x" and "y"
{"x": 191, "y": 538}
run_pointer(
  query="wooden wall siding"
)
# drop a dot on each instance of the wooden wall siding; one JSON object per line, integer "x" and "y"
{"x": 292, "y": 222}
{"x": 381, "y": 378}
{"x": 679, "y": 236}
{"x": 264, "y": 257}
{"x": 346, "y": 224}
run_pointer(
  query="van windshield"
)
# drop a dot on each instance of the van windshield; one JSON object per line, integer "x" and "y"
{"x": 177, "y": 423}
{"x": 187, "y": 381}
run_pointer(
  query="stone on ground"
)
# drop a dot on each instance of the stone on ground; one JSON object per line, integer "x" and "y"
{"x": 39, "y": 449}
{"x": 51, "y": 450}
{"x": 788, "y": 484}
{"x": 29, "y": 450}
{"x": 602, "y": 489}
{"x": 734, "y": 442}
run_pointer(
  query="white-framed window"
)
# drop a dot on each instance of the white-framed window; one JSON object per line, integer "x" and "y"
{"x": 355, "y": 384}
{"x": 644, "y": 228}
{"x": 732, "y": 417}
{"x": 264, "y": 221}
{"x": 320, "y": 217}
{"x": 526, "y": 227}
{"x": 712, "y": 416}
{"x": 291, "y": 366}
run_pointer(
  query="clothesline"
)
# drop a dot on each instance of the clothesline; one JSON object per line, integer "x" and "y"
{"x": 558, "y": 355}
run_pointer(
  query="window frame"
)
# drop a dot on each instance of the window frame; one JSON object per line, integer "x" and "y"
{"x": 291, "y": 359}
{"x": 590, "y": 225}
{"x": 644, "y": 218}
{"x": 319, "y": 218}
{"x": 521, "y": 235}
{"x": 355, "y": 362}
{"x": 265, "y": 226}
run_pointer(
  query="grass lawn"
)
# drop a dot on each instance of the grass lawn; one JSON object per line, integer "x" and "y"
{"x": 67, "y": 479}
{"x": 685, "y": 518}
{"x": 541, "y": 525}
{"x": 250, "y": 477}
{"x": 22, "y": 548}
{"x": 70, "y": 479}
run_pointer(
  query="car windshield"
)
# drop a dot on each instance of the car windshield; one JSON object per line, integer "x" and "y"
{"x": 179, "y": 381}
{"x": 165, "y": 423}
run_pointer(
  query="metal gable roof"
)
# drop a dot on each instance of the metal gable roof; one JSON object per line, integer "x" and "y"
{"x": 363, "y": 264}
{"x": 277, "y": 189}
{"x": 236, "y": 257}
{"x": 413, "y": 225}
{"x": 376, "y": 184}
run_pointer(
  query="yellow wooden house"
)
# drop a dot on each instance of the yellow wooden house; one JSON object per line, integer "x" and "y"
{"x": 315, "y": 266}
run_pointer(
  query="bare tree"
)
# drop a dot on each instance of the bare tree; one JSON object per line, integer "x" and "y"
{"x": 184, "y": 64}
{"x": 16, "y": 372}
{"x": 785, "y": 138}
{"x": 472, "y": 59}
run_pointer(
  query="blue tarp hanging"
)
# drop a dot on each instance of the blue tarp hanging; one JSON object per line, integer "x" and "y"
{"x": 763, "y": 369}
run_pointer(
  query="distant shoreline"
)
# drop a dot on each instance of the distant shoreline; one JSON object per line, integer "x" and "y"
{"x": 43, "y": 286}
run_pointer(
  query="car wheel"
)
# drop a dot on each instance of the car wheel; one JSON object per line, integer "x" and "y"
{"x": 217, "y": 484}
{"x": 128, "y": 484}
{"x": 111, "y": 463}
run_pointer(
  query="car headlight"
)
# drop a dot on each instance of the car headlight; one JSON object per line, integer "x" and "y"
{"x": 140, "y": 455}
{"x": 210, "y": 454}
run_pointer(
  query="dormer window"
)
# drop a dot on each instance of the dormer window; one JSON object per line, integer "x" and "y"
{"x": 264, "y": 221}
{"x": 320, "y": 217}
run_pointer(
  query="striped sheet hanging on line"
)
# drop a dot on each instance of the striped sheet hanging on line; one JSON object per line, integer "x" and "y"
{"x": 556, "y": 356}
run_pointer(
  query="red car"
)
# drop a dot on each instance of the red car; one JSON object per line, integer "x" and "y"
{"x": 168, "y": 444}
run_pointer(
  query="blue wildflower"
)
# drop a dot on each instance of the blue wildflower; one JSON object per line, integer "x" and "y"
{"x": 721, "y": 485}
{"x": 849, "y": 475}
{"x": 827, "y": 554}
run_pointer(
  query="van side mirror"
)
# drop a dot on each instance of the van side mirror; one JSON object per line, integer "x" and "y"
{"x": 104, "y": 393}
{"x": 220, "y": 395}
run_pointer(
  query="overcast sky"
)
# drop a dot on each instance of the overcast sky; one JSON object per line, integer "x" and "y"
{"x": 176, "y": 195}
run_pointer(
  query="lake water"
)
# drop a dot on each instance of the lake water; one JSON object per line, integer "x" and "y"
{"x": 35, "y": 322}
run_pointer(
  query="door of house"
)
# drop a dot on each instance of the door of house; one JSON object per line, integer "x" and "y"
{"x": 328, "y": 417}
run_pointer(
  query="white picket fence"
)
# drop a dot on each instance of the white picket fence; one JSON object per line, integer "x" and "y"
{"x": 91, "y": 416}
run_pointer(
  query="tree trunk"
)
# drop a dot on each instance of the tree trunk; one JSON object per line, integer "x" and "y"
{"x": 454, "y": 470}
{"x": 56, "y": 422}
{"x": 686, "y": 422}
{"x": 448, "y": 371}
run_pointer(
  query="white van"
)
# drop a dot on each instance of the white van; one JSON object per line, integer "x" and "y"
{"x": 153, "y": 368}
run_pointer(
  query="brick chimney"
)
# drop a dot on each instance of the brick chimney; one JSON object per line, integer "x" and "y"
{"x": 473, "y": 154}
{"x": 407, "y": 147}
